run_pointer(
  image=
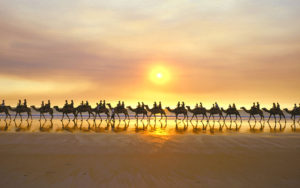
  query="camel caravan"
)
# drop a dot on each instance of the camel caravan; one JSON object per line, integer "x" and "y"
{"x": 141, "y": 109}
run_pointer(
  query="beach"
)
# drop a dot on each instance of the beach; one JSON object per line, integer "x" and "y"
{"x": 152, "y": 157}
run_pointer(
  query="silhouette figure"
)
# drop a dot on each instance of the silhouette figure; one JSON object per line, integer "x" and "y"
{"x": 215, "y": 110}
{"x": 177, "y": 111}
{"x": 84, "y": 108}
{"x": 275, "y": 111}
{"x": 117, "y": 110}
{"x": 231, "y": 111}
{"x": 197, "y": 111}
{"x": 253, "y": 112}
{"x": 4, "y": 109}
{"x": 99, "y": 110}
{"x": 138, "y": 110}
{"x": 295, "y": 112}
{"x": 43, "y": 109}
{"x": 155, "y": 111}
{"x": 67, "y": 110}
{"x": 21, "y": 109}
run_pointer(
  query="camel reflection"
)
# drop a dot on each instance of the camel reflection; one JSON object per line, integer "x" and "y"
{"x": 99, "y": 128}
{"x": 144, "y": 125}
{"x": 294, "y": 127}
{"x": 274, "y": 129}
{"x": 163, "y": 124}
{"x": 212, "y": 126}
{"x": 181, "y": 128}
{"x": 235, "y": 127}
{"x": 44, "y": 127}
{"x": 115, "y": 127}
{"x": 195, "y": 125}
{"x": 22, "y": 125}
{"x": 6, "y": 123}
{"x": 253, "y": 128}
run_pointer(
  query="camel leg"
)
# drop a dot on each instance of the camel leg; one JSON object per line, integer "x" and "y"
{"x": 226, "y": 117}
{"x": 119, "y": 116}
{"x": 63, "y": 115}
{"x": 269, "y": 117}
{"x": 68, "y": 117}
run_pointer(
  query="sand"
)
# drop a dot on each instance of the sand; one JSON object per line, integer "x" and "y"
{"x": 151, "y": 158}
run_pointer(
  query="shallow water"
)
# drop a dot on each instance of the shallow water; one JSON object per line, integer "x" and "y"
{"x": 149, "y": 154}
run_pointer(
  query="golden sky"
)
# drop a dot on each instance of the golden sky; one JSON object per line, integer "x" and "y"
{"x": 227, "y": 51}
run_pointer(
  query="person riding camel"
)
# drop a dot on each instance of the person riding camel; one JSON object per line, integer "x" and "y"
{"x": 201, "y": 105}
{"x": 155, "y": 105}
{"x": 295, "y": 106}
{"x": 183, "y": 105}
{"x": 123, "y": 105}
{"x": 19, "y": 103}
{"x": 229, "y": 107}
{"x": 178, "y": 104}
{"x": 159, "y": 105}
{"x": 274, "y": 105}
{"x": 3, "y": 103}
{"x": 257, "y": 105}
{"x": 217, "y": 106}
{"x": 48, "y": 105}
{"x": 104, "y": 104}
{"x": 213, "y": 106}
{"x": 86, "y": 103}
{"x": 72, "y": 104}
{"x": 197, "y": 106}
{"x": 233, "y": 106}
{"x": 66, "y": 104}
{"x": 43, "y": 104}
{"x": 278, "y": 106}
{"x": 100, "y": 104}
{"x": 253, "y": 106}
{"x": 25, "y": 103}
{"x": 143, "y": 105}
{"x": 139, "y": 105}
{"x": 119, "y": 104}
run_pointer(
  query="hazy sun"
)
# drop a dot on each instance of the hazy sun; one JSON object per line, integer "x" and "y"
{"x": 159, "y": 75}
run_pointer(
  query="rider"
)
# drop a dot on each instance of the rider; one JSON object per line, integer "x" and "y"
{"x": 119, "y": 104}
{"x": 3, "y": 103}
{"x": 229, "y": 106}
{"x": 48, "y": 104}
{"x": 143, "y": 105}
{"x": 178, "y": 104}
{"x": 25, "y": 103}
{"x": 66, "y": 104}
{"x": 104, "y": 103}
{"x": 201, "y": 105}
{"x": 72, "y": 103}
{"x": 139, "y": 105}
{"x": 274, "y": 105}
{"x": 19, "y": 103}
{"x": 253, "y": 106}
{"x": 123, "y": 104}
{"x": 257, "y": 105}
{"x": 86, "y": 103}
{"x": 197, "y": 106}
{"x": 155, "y": 105}
{"x": 182, "y": 105}
{"x": 217, "y": 106}
{"x": 278, "y": 106}
{"x": 295, "y": 106}
{"x": 159, "y": 105}
{"x": 43, "y": 104}
{"x": 82, "y": 103}
{"x": 233, "y": 106}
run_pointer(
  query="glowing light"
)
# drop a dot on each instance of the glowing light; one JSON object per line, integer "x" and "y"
{"x": 159, "y": 75}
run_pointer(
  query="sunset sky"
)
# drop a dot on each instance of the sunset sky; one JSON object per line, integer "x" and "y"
{"x": 144, "y": 50}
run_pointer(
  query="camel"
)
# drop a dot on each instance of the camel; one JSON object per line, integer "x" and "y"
{"x": 177, "y": 111}
{"x": 214, "y": 111}
{"x": 137, "y": 111}
{"x": 231, "y": 111}
{"x": 295, "y": 112}
{"x": 43, "y": 110}
{"x": 100, "y": 109}
{"x": 118, "y": 110}
{"x": 273, "y": 112}
{"x": 197, "y": 111}
{"x": 253, "y": 112}
{"x": 84, "y": 108}
{"x": 156, "y": 110}
{"x": 4, "y": 109}
{"x": 19, "y": 110}
{"x": 66, "y": 110}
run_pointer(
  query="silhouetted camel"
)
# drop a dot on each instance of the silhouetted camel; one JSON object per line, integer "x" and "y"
{"x": 295, "y": 112}
{"x": 43, "y": 110}
{"x": 155, "y": 111}
{"x": 197, "y": 111}
{"x": 118, "y": 110}
{"x": 137, "y": 111}
{"x": 214, "y": 111}
{"x": 4, "y": 109}
{"x": 21, "y": 109}
{"x": 274, "y": 112}
{"x": 66, "y": 110}
{"x": 99, "y": 110}
{"x": 84, "y": 108}
{"x": 253, "y": 112}
{"x": 231, "y": 111}
{"x": 177, "y": 111}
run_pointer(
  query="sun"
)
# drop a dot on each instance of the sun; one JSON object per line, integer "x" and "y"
{"x": 159, "y": 75}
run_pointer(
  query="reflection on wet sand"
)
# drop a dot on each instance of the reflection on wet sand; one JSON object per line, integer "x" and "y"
{"x": 178, "y": 126}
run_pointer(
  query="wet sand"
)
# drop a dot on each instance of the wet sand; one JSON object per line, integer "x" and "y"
{"x": 152, "y": 157}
